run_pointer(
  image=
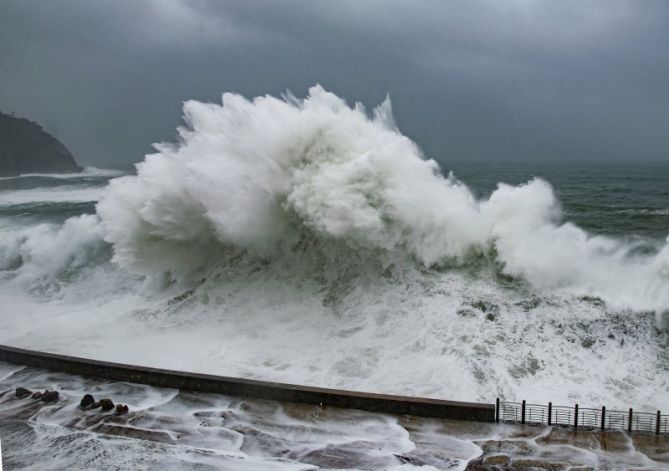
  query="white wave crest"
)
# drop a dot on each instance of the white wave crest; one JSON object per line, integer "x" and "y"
{"x": 46, "y": 251}
{"x": 59, "y": 194}
{"x": 645, "y": 212}
{"x": 255, "y": 175}
{"x": 86, "y": 172}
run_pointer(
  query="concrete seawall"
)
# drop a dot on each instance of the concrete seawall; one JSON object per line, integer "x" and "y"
{"x": 382, "y": 403}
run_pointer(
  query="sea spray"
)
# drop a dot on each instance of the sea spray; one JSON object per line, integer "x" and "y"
{"x": 307, "y": 241}
{"x": 260, "y": 176}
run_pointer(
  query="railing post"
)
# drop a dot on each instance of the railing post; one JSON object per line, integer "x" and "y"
{"x": 657, "y": 423}
{"x": 550, "y": 412}
{"x": 497, "y": 410}
{"x": 603, "y": 417}
{"x": 629, "y": 422}
{"x": 576, "y": 416}
{"x": 522, "y": 413}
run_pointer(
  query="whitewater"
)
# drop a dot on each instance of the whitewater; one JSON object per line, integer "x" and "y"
{"x": 309, "y": 241}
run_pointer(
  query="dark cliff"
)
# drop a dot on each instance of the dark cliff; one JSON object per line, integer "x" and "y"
{"x": 26, "y": 148}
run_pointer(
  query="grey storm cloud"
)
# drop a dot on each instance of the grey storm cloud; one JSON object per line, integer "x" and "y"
{"x": 515, "y": 79}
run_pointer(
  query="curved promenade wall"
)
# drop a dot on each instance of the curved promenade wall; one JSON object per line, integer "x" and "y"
{"x": 383, "y": 403}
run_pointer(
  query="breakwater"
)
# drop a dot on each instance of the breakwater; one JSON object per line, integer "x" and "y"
{"x": 383, "y": 403}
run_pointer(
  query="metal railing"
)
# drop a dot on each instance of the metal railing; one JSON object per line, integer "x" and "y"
{"x": 581, "y": 417}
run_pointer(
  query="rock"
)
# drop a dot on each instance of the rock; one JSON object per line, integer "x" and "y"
{"x": 22, "y": 392}
{"x": 537, "y": 464}
{"x": 479, "y": 465}
{"x": 121, "y": 409}
{"x": 497, "y": 459}
{"x": 106, "y": 404}
{"x": 594, "y": 300}
{"x": 26, "y": 148}
{"x": 50, "y": 396}
{"x": 587, "y": 342}
{"x": 509, "y": 447}
{"x": 87, "y": 401}
{"x": 37, "y": 395}
{"x": 476, "y": 465}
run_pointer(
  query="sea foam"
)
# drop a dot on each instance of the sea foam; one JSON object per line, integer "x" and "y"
{"x": 309, "y": 241}
{"x": 261, "y": 176}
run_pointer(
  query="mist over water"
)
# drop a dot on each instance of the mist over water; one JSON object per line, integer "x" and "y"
{"x": 267, "y": 176}
{"x": 310, "y": 241}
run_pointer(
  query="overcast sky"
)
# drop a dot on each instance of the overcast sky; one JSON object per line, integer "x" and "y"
{"x": 511, "y": 79}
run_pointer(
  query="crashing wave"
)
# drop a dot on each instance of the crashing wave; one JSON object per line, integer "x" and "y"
{"x": 260, "y": 176}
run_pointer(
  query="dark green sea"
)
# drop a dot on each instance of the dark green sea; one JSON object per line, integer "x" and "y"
{"x": 627, "y": 199}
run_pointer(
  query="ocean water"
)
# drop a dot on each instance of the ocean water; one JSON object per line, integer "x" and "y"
{"x": 309, "y": 241}
{"x": 619, "y": 199}
{"x": 171, "y": 429}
